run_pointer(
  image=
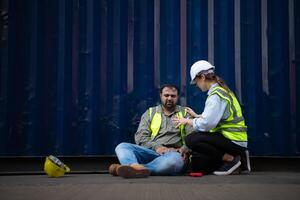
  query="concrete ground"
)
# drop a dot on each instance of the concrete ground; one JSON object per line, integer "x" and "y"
{"x": 258, "y": 185}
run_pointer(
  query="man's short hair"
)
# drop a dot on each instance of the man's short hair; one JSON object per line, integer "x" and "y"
{"x": 168, "y": 85}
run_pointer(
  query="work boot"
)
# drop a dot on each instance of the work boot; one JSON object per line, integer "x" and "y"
{"x": 113, "y": 169}
{"x": 133, "y": 171}
{"x": 245, "y": 163}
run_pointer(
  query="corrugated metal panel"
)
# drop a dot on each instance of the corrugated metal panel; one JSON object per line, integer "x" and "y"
{"x": 278, "y": 107}
{"x": 76, "y": 75}
{"x": 197, "y": 46}
{"x": 296, "y": 63}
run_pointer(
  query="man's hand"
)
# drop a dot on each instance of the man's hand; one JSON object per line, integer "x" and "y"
{"x": 162, "y": 150}
{"x": 185, "y": 154}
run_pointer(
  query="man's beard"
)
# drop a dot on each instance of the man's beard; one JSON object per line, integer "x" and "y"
{"x": 169, "y": 105}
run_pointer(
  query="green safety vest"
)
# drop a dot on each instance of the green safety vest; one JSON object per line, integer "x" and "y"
{"x": 233, "y": 127}
{"x": 156, "y": 121}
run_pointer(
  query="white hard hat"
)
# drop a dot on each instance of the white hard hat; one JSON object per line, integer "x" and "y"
{"x": 200, "y": 66}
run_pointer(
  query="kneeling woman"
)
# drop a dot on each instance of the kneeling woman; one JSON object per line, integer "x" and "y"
{"x": 221, "y": 138}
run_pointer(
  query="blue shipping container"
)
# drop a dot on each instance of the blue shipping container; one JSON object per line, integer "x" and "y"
{"x": 76, "y": 75}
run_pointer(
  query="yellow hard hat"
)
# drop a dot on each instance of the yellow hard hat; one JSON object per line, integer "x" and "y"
{"x": 54, "y": 167}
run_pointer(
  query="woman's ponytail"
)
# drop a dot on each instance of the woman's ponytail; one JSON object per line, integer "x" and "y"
{"x": 219, "y": 80}
{"x": 222, "y": 83}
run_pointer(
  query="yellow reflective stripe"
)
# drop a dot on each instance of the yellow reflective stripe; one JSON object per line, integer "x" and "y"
{"x": 181, "y": 127}
{"x": 155, "y": 124}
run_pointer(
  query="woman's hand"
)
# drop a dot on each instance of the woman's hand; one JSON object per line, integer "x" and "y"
{"x": 191, "y": 112}
{"x": 179, "y": 121}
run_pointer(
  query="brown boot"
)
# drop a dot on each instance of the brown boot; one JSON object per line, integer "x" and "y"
{"x": 133, "y": 171}
{"x": 113, "y": 169}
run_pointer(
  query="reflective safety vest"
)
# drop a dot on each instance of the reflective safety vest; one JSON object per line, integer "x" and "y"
{"x": 156, "y": 121}
{"x": 233, "y": 127}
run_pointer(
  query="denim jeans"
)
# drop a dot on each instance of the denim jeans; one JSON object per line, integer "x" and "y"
{"x": 170, "y": 163}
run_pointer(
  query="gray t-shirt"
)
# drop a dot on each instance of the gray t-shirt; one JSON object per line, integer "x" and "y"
{"x": 168, "y": 135}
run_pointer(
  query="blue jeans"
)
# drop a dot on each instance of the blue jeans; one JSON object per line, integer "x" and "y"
{"x": 170, "y": 163}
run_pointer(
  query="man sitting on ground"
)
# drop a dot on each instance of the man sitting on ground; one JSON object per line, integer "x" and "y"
{"x": 159, "y": 148}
